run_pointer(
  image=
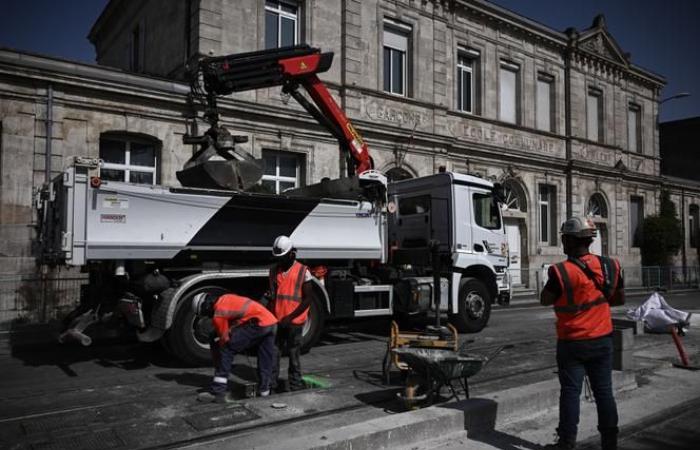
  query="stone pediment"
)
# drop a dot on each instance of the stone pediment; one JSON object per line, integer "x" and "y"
{"x": 598, "y": 41}
{"x": 601, "y": 45}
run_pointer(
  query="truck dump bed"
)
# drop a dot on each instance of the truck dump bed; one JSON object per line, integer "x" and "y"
{"x": 123, "y": 221}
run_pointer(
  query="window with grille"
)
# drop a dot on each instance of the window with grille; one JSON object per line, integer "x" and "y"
{"x": 547, "y": 214}
{"x": 133, "y": 159}
{"x": 283, "y": 170}
{"x": 693, "y": 223}
{"x": 636, "y": 218}
{"x": 597, "y": 206}
{"x": 281, "y": 23}
{"x": 396, "y": 52}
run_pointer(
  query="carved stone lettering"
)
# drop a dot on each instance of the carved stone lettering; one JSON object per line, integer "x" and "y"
{"x": 402, "y": 116}
{"x": 507, "y": 139}
{"x": 594, "y": 155}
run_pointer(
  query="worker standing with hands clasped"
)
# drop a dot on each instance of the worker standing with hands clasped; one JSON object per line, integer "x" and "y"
{"x": 582, "y": 289}
{"x": 239, "y": 324}
{"x": 291, "y": 293}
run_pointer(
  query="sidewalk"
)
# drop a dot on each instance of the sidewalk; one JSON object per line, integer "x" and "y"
{"x": 660, "y": 395}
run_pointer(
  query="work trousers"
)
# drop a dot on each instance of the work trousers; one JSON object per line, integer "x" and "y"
{"x": 242, "y": 338}
{"x": 592, "y": 357}
{"x": 289, "y": 339}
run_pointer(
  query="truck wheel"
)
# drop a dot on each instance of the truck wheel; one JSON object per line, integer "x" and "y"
{"x": 313, "y": 328}
{"x": 188, "y": 337}
{"x": 474, "y": 307}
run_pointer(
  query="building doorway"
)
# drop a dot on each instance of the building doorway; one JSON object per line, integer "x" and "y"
{"x": 514, "y": 219}
{"x": 597, "y": 209}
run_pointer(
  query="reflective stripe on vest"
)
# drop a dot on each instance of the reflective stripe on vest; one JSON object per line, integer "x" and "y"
{"x": 298, "y": 272}
{"x": 571, "y": 306}
{"x": 233, "y": 314}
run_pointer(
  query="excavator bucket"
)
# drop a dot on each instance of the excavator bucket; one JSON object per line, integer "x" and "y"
{"x": 218, "y": 164}
{"x": 230, "y": 175}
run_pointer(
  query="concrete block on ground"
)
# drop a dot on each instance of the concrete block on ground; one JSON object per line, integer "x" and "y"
{"x": 623, "y": 339}
{"x": 637, "y": 326}
{"x": 623, "y": 360}
{"x": 385, "y": 432}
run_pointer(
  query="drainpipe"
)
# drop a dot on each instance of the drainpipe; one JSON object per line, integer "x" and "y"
{"x": 573, "y": 35}
{"x": 49, "y": 133}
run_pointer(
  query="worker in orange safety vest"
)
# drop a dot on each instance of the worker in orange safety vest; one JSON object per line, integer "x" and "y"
{"x": 291, "y": 294}
{"x": 582, "y": 289}
{"x": 239, "y": 324}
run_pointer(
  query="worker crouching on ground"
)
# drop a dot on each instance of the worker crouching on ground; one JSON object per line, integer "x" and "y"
{"x": 239, "y": 324}
{"x": 291, "y": 294}
{"x": 582, "y": 288}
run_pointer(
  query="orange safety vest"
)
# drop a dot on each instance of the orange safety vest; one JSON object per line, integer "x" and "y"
{"x": 234, "y": 310}
{"x": 287, "y": 291}
{"x": 582, "y": 309}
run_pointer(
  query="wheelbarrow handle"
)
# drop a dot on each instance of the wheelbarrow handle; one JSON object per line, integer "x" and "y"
{"x": 496, "y": 353}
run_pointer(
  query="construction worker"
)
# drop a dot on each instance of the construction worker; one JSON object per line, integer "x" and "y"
{"x": 291, "y": 293}
{"x": 582, "y": 289}
{"x": 239, "y": 324}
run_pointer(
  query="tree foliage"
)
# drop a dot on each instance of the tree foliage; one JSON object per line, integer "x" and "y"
{"x": 660, "y": 235}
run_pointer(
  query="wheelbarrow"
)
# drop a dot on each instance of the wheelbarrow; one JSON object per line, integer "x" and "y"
{"x": 430, "y": 370}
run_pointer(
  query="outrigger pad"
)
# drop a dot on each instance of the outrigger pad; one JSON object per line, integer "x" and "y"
{"x": 229, "y": 175}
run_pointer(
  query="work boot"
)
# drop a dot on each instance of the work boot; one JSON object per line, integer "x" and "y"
{"x": 561, "y": 444}
{"x": 208, "y": 397}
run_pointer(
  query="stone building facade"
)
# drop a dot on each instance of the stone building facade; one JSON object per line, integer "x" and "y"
{"x": 564, "y": 119}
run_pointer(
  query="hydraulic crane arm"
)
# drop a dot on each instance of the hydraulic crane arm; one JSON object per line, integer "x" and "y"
{"x": 288, "y": 67}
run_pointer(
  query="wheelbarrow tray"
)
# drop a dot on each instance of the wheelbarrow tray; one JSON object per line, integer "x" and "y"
{"x": 442, "y": 364}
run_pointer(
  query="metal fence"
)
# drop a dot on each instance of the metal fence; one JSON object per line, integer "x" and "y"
{"x": 656, "y": 277}
{"x": 36, "y": 298}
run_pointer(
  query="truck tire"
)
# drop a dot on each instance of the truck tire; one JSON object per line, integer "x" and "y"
{"x": 474, "y": 306}
{"x": 313, "y": 328}
{"x": 188, "y": 337}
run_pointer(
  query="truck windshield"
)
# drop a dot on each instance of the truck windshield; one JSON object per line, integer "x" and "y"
{"x": 486, "y": 212}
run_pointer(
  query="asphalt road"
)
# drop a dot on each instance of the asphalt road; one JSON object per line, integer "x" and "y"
{"x": 134, "y": 395}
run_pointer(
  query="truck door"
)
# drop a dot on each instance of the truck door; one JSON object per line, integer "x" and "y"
{"x": 487, "y": 230}
{"x": 463, "y": 220}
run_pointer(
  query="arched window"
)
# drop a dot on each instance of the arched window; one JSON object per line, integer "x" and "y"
{"x": 514, "y": 196}
{"x": 597, "y": 206}
{"x": 129, "y": 157}
{"x": 398, "y": 174}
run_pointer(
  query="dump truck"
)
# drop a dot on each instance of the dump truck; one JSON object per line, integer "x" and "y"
{"x": 376, "y": 248}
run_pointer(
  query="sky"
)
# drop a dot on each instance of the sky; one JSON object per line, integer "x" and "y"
{"x": 663, "y": 36}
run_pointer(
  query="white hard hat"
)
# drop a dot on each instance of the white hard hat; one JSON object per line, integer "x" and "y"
{"x": 580, "y": 227}
{"x": 282, "y": 246}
